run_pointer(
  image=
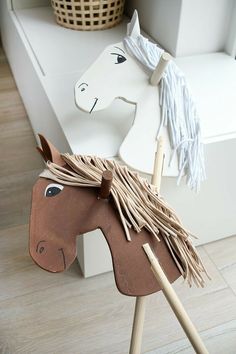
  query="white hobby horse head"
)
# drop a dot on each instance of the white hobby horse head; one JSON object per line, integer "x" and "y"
{"x": 125, "y": 71}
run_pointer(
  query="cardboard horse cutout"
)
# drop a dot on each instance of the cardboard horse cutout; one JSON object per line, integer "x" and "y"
{"x": 66, "y": 203}
{"x": 76, "y": 194}
{"x": 123, "y": 71}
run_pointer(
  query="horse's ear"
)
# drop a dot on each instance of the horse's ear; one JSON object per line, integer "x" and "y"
{"x": 42, "y": 153}
{"x": 49, "y": 152}
{"x": 133, "y": 28}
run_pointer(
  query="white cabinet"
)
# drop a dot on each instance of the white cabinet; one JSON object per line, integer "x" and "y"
{"x": 47, "y": 60}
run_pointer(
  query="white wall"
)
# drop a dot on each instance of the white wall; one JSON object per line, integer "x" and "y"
{"x": 23, "y": 4}
{"x": 160, "y": 19}
{"x": 186, "y": 27}
{"x": 204, "y": 26}
{"x": 231, "y": 39}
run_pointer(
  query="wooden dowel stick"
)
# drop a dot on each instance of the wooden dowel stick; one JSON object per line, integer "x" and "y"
{"x": 158, "y": 72}
{"x": 138, "y": 322}
{"x": 140, "y": 304}
{"x": 158, "y": 164}
{"x": 175, "y": 303}
{"x": 105, "y": 184}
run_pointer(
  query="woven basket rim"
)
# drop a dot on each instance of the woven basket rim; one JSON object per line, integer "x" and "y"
{"x": 88, "y": 14}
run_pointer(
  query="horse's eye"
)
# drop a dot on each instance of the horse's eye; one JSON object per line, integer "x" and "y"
{"x": 119, "y": 58}
{"x": 41, "y": 249}
{"x": 53, "y": 189}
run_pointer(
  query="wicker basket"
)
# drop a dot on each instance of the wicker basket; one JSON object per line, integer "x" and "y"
{"x": 88, "y": 15}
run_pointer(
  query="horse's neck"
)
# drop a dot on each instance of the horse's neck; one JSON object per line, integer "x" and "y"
{"x": 139, "y": 146}
{"x": 147, "y": 116}
{"x": 131, "y": 268}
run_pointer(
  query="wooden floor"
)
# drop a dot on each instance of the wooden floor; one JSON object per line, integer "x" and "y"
{"x": 47, "y": 313}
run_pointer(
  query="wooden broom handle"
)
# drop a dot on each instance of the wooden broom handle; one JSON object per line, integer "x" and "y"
{"x": 167, "y": 289}
{"x": 175, "y": 303}
{"x": 140, "y": 304}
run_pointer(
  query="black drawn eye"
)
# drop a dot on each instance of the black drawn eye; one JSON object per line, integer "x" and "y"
{"x": 41, "y": 249}
{"x": 119, "y": 58}
{"x": 53, "y": 189}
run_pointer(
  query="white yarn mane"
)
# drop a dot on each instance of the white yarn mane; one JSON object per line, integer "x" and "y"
{"x": 178, "y": 111}
{"x": 138, "y": 206}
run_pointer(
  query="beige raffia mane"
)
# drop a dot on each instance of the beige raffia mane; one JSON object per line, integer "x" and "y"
{"x": 138, "y": 205}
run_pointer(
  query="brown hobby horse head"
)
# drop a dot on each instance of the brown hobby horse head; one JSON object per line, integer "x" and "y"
{"x": 60, "y": 213}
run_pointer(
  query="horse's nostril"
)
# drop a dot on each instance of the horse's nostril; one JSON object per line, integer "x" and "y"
{"x": 82, "y": 86}
{"x": 39, "y": 248}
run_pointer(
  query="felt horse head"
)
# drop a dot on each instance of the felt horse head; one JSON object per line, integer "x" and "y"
{"x": 124, "y": 71}
{"x": 65, "y": 204}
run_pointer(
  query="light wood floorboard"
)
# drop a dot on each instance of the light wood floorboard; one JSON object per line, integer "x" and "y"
{"x": 223, "y": 254}
{"x": 20, "y": 164}
{"x": 44, "y": 313}
{"x": 219, "y": 340}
